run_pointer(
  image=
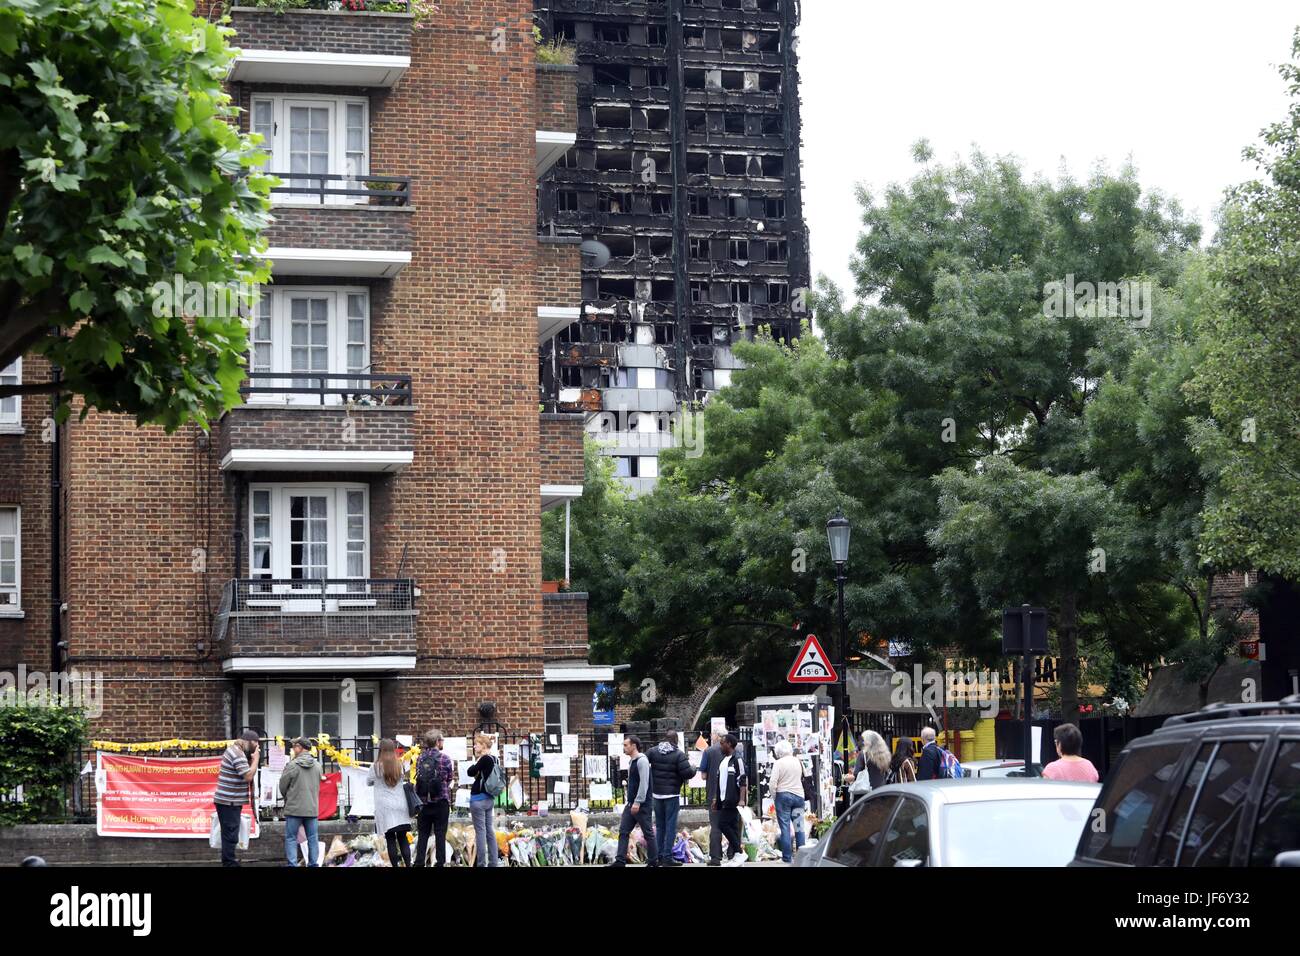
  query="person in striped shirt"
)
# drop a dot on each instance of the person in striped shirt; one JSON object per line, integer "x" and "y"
{"x": 238, "y": 767}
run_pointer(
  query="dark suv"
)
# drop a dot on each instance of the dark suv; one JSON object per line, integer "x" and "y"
{"x": 1220, "y": 787}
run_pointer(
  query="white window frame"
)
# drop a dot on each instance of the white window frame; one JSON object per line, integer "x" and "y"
{"x": 274, "y": 714}
{"x": 277, "y": 143}
{"x": 563, "y": 701}
{"x": 11, "y": 595}
{"x": 336, "y": 530}
{"x": 12, "y": 421}
{"x": 279, "y": 300}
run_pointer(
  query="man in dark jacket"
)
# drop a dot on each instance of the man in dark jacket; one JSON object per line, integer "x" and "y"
{"x": 930, "y": 766}
{"x": 636, "y": 810}
{"x": 433, "y": 774}
{"x": 669, "y": 769}
{"x": 709, "y": 767}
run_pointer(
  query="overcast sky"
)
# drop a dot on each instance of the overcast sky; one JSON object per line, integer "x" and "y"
{"x": 1177, "y": 87}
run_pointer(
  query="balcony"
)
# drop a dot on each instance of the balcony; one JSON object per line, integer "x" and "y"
{"x": 559, "y": 284}
{"x": 564, "y": 626}
{"x": 562, "y": 464}
{"x": 303, "y": 421}
{"x": 320, "y": 47}
{"x": 556, "y": 113}
{"x": 328, "y": 224}
{"x": 273, "y": 625}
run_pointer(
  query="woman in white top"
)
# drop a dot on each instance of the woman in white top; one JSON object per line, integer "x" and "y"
{"x": 787, "y": 794}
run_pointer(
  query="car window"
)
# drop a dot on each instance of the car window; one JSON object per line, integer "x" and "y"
{"x": 1278, "y": 826}
{"x": 854, "y": 842}
{"x": 1127, "y": 802}
{"x": 908, "y": 836}
{"x": 1027, "y": 831}
{"x": 1167, "y": 852}
{"x": 1212, "y": 828}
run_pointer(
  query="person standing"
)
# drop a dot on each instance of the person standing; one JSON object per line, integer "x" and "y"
{"x": 480, "y": 802}
{"x": 300, "y": 787}
{"x": 930, "y": 766}
{"x": 669, "y": 770}
{"x": 709, "y": 762}
{"x": 788, "y": 796}
{"x": 873, "y": 762}
{"x": 234, "y": 785}
{"x": 733, "y": 793}
{"x": 392, "y": 817}
{"x": 433, "y": 774}
{"x": 1070, "y": 764}
{"x": 636, "y": 811}
{"x": 902, "y": 768}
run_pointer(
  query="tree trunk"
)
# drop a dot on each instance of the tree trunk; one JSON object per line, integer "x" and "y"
{"x": 1067, "y": 635}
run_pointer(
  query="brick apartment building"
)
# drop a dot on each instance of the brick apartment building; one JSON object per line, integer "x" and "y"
{"x": 356, "y": 549}
{"x": 686, "y": 171}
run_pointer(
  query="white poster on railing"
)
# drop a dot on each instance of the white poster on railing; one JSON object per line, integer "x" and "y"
{"x": 555, "y": 765}
{"x": 360, "y": 795}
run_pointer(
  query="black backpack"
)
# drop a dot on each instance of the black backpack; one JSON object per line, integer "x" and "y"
{"x": 426, "y": 776}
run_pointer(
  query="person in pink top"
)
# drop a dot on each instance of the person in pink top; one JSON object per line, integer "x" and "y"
{"x": 1070, "y": 766}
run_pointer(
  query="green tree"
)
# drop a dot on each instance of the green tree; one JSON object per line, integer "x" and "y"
{"x": 121, "y": 167}
{"x": 1250, "y": 373}
{"x": 947, "y": 378}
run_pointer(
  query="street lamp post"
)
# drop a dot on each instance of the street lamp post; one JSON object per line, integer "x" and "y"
{"x": 837, "y": 535}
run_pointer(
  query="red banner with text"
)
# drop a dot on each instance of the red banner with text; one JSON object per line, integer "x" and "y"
{"x": 157, "y": 796}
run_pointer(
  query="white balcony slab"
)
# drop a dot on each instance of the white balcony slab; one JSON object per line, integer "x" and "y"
{"x": 372, "y": 263}
{"x": 555, "y": 495}
{"x": 317, "y": 665}
{"x": 286, "y": 459}
{"x": 552, "y": 319}
{"x": 577, "y": 673}
{"x": 551, "y": 145}
{"x": 318, "y": 68}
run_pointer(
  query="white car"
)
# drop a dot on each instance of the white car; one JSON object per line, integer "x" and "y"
{"x": 967, "y": 822}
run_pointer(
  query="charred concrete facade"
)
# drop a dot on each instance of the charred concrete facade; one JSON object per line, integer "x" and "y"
{"x": 686, "y": 168}
{"x": 356, "y": 548}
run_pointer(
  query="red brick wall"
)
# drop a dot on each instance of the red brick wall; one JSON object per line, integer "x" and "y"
{"x": 387, "y": 34}
{"x": 561, "y": 449}
{"x": 461, "y": 122}
{"x": 564, "y": 625}
{"x": 559, "y": 271}
{"x": 385, "y": 228}
{"x": 384, "y": 428}
{"x": 557, "y": 97}
{"x": 25, "y": 482}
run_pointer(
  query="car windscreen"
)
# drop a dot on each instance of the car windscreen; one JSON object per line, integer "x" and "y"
{"x": 1042, "y": 831}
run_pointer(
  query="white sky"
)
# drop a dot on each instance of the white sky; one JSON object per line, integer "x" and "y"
{"x": 1177, "y": 87}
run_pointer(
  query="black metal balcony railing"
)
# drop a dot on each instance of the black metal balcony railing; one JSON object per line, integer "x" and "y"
{"x": 377, "y": 190}
{"x": 353, "y": 388}
{"x": 345, "y": 611}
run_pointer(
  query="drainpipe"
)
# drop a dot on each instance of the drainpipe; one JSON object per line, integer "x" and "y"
{"x": 566, "y": 543}
{"x": 56, "y": 534}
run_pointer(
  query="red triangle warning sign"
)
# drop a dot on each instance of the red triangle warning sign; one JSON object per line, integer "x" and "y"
{"x": 812, "y": 666}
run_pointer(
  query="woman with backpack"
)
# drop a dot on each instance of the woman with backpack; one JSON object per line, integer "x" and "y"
{"x": 392, "y": 815}
{"x": 903, "y": 767}
{"x": 486, "y": 773}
